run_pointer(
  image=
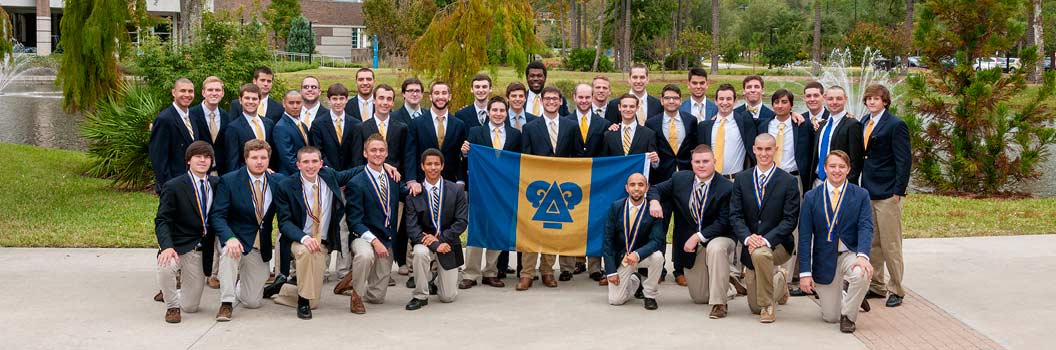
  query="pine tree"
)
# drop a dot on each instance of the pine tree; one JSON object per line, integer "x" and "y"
{"x": 91, "y": 34}
{"x": 968, "y": 136}
{"x": 301, "y": 38}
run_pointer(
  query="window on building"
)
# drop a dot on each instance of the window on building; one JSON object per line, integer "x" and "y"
{"x": 355, "y": 38}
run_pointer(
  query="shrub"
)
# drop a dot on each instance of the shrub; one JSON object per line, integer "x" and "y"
{"x": 118, "y": 133}
{"x": 583, "y": 59}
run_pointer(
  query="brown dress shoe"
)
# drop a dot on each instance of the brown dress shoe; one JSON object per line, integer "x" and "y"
{"x": 549, "y": 281}
{"x": 214, "y": 283}
{"x": 356, "y": 304}
{"x": 846, "y": 325}
{"x": 466, "y": 284}
{"x": 172, "y": 315}
{"x": 681, "y": 280}
{"x": 767, "y": 315}
{"x": 738, "y": 286}
{"x": 344, "y": 285}
{"x": 159, "y": 297}
{"x": 524, "y": 283}
{"x": 718, "y": 311}
{"x": 224, "y": 314}
{"x": 494, "y": 282}
{"x": 603, "y": 282}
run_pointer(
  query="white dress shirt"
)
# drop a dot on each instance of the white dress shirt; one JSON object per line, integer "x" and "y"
{"x": 733, "y": 151}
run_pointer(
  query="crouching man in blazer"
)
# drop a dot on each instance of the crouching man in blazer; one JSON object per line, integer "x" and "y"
{"x": 633, "y": 240}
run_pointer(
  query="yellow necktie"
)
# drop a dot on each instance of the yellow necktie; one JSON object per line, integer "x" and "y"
{"x": 835, "y": 202}
{"x": 752, "y": 109}
{"x": 316, "y": 212}
{"x": 869, "y": 131}
{"x": 583, "y": 127}
{"x": 440, "y": 130}
{"x": 363, "y": 111}
{"x": 381, "y": 130}
{"x": 626, "y": 140}
{"x": 262, "y": 108}
{"x": 308, "y": 119}
{"x": 672, "y": 136}
{"x": 257, "y": 129}
{"x": 780, "y": 143}
{"x": 495, "y": 142}
{"x": 720, "y": 144}
{"x": 304, "y": 135}
{"x": 535, "y": 105}
{"x": 214, "y": 127}
{"x": 641, "y": 112}
{"x": 187, "y": 123}
{"x": 553, "y": 135}
{"x": 340, "y": 128}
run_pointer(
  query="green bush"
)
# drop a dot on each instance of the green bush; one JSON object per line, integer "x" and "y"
{"x": 291, "y": 66}
{"x": 118, "y": 133}
{"x": 583, "y": 59}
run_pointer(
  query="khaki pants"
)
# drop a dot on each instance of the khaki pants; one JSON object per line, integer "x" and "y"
{"x": 189, "y": 267}
{"x": 446, "y": 280}
{"x": 708, "y": 280}
{"x": 567, "y": 263}
{"x": 792, "y": 265}
{"x": 529, "y": 261}
{"x": 310, "y": 266}
{"x": 834, "y": 302}
{"x": 619, "y": 294}
{"x": 370, "y": 273}
{"x": 887, "y": 246}
{"x": 771, "y": 285}
{"x": 593, "y": 263}
{"x": 473, "y": 257}
{"x": 249, "y": 272}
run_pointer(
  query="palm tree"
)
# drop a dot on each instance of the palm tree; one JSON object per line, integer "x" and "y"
{"x": 714, "y": 37}
{"x": 816, "y": 52}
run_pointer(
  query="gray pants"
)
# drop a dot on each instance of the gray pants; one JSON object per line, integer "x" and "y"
{"x": 619, "y": 294}
{"x": 473, "y": 257}
{"x": 708, "y": 280}
{"x": 249, "y": 272}
{"x": 834, "y": 302}
{"x": 189, "y": 267}
{"x": 344, "y": 255}
{"x": 446, "y": 280}
{"x": 370, "y": 273}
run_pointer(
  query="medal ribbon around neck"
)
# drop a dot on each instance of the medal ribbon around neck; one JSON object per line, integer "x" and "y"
{"x": 760, "y": 188}
{"x": 631, "y": 226}
{"x": 198, "y": 203}
{"x": 832, "y": 221}
{"x": 439, "y": 208}
{"x": 258, "y": 207}
{"x": 700, "y": 206}
{"x": 381, "y": 196}
{"x": 318, "y": 190}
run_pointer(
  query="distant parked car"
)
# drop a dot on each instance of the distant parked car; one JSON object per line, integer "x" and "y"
{"x": 984, "y": 63}
{"x": 916, "y": 62}
{"x": 1010, "y": 64}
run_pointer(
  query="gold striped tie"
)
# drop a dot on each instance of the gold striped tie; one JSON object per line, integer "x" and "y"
{"x": 780, "y": 143}
{"x": 257, "y": 129}
{"x": 626, "y": 140}
{"x": 316, "y": 212}
{"x": 340, "y": 128}
{"x": 553, "y": 135}
{"x": 672, "y": 136}
{"x": 495, "y": 142}
{"x": 381, "y": 130}
{"x": 440, "y": 131}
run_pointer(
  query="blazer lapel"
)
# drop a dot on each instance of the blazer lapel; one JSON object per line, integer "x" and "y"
{"x": 770, "y": 185}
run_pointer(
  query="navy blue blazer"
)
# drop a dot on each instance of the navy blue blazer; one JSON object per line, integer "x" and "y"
{"x": 404, "y": 116}
{"x": 846, "y": 137}
{"x": 454, "y": 218}
{"x": 775, "y": 221}
{"x": 363, "y": 211}
{"x": 854, "y": 228}
{"x": 612, "y": 111}
{"x": 234, "y": 215}
{"x": 422, "y": 136}
{"x": 764, "y": 112}
{"x": 669, "y": 161}
{"x": 676, "y": 193}
{"x": 352, "y": 108}
{"x": 197, "y": 115}
{"x": 887, "y": 161}
{"x": 803, "y": 140}
{"x": 395, "y": 139}
{"x": 535, "y": 139}
{"x": 168, "y": 144}
{"x": 468, "y": 116}
{"x": 643, "y": 141}
{"x": 288, "y": 140}
{"x": 595, "y": 143}
{"x": 481, "y": 135}
{"x": 745, "y": 125}
{"x": 528, "y": 118}
{"x": 324, "y": 136}
{"x": 710, "y": 108}
{"x": 274, "y": 112}
{"x": 652, "y": 236}
{"x": 178, "y": 224}
{"x": 293, "y": 213}
{"x": 236, "y": 136}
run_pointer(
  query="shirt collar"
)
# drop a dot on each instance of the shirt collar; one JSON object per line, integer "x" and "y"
{"x": 878, "y": 116}
{"x": 336, "y": 115}
{"x": 707, "y": 182}
{"x": 440, "y": 115}
{"x": 249, "y": 118}
{"x": 829, "y": 187}
{"x": 632, "y": 125}
{"x": 196, "y": 179}
{"x": 181, "y": 112}
{"x": 254, "y": 178}
{"x": 314, "y": 109}
{"x": 429, "y": 186}
{"x": 761, "y": 172}
{"x": 207, "y": 110}
{"x": 410, "y": 111}
{"x": 374, "y": 174}
{"x": 492, "y": 127}
{"x": 631, "y": 204}
{"x": 667, "y": 118}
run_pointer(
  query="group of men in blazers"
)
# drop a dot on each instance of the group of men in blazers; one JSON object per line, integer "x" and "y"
{"x": 730, "y": 178}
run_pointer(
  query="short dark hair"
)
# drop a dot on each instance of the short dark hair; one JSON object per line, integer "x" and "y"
{"x": 726, "y": 87}
{"x": 255, "y": 145}
{"x": 639, "y": 66}
{"x": 551, "y": 89}
{"x": 628, "y": 95}
{"x": 307, "y": 150}
{"x": 515, "y": 86}
{"x": 408, "y": 82}
{"x": 262, "y": 70}
{"x": 385, "y": 87}
{"x": 365, "y": 69}
{"x": 671, "y": 87}
{"x": 336, "y": 89}
{"x": 750, "y": 78}
{"x": 481, "y": 76}
{"x": 814, "y": 85}
{"x": 248, "y": 87}
{"x": 877, "y": 90}
{"x": 198, "y": 148}
{"x": 783, "y": 93}
{"x": 698, "y": 72}
{"x": 437, "y": 82}
{"x": 497, "y": 99}
{"x": 839, "y": 154}
{"x": 432, "y": 152}
{"x": 535, "y": 65}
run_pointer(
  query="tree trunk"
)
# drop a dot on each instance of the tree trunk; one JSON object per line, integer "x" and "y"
{"x": 627, "y": 35}
{"x": 617, "y": 34}
{"x": 191, "y": 11}
{"x": 907, "y": 26}
{"x": 1039, "y": 40}
{"x": 816, "y": 50}
{"x": 573, "y": 17}
{"x": 597, "y": 41}
{"x": 714, "y": 37}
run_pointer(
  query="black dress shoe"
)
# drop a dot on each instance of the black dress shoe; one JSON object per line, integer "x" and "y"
{"x": 433, "y": 289}
{"x": 501, "y": 275}
{"x": 510, "y": 271}
{"x": 410, "y": 282}
{"x": 865, "y": 305}
{"x": 304, "y": 309}
{"x": 580, "y": 268}
{"x": 796, "y": 292}
{"x": 565, "y": 276}
{"x": 650, "y": 304}
{"x": 596, "y": 276}
{"x": 640, "y": 292}
{"x": 275, "y": 287}
{"x": 416, "y": 304}
{"x": 893, "y": 300}
{"x": 874, "y": 295}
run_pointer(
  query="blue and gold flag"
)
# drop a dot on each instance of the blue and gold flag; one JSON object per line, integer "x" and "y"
{"x": 544, "y": 204}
